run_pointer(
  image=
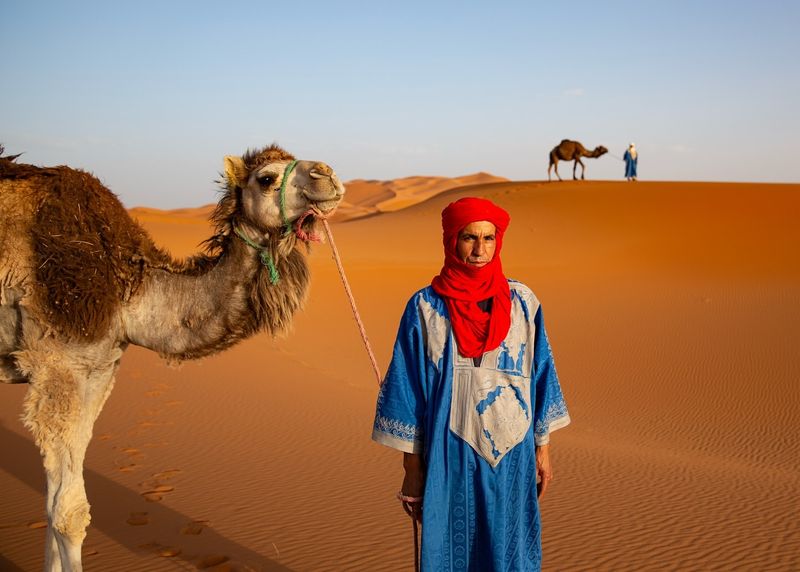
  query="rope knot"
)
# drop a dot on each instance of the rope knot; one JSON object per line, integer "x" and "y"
{"x": 263, "y": 253}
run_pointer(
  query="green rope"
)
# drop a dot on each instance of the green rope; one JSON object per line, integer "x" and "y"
{"x": 263, "y": 254}
{"x": 287, "y": 226}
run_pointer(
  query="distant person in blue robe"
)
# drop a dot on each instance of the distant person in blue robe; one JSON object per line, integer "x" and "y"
{"x": 471, "y": 397}
{"x": 631, "y": 159}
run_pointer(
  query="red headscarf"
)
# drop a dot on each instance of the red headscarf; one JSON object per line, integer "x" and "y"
{"x": 463, "y": 285}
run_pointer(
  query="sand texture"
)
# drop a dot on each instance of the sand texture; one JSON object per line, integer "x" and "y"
{"x": 674, "y": 314}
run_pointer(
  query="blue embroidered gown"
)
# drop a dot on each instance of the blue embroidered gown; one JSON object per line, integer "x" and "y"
{"x": 476, "y": 428}
{"x": 631, "y": 163}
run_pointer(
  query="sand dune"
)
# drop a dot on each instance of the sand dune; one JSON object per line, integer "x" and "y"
{"x": 369, "y": 197}
{"x": 674, "y": 312}
{"x": 363, "y": 198}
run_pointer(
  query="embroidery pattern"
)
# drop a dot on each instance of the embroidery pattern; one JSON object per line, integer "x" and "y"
{"x": 556, "y": 411}
{"x": 398, "y": 429}
{"x": 435, "y": 329}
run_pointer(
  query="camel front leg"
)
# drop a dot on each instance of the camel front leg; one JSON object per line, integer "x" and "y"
{"x": 63, "y": 401}
{"x": 52, "y": 553}
{"x": 555, "y": 167}
{"x": 575, "y": 166}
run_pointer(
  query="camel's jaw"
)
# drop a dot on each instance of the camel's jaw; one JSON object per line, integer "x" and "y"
{"x": 324, "y": 199}
{"x": 325, "y": 209}
{"x": 305, "y": 227}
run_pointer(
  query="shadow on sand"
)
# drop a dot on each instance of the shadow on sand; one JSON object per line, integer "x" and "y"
{"x": 21, "y": 460}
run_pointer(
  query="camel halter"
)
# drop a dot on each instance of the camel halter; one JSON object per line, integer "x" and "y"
{"x": 287, "y": 226}
{"x": 263, "y": 253}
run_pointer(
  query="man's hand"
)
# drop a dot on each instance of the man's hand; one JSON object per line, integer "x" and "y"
{"x": 413, "y": 484}
{"x": 543, "y": 469}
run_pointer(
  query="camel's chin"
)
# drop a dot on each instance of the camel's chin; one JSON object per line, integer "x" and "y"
{"x": 327, "y": 207}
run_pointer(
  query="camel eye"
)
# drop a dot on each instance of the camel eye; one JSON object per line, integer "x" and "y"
{"x": 265, "y": 180}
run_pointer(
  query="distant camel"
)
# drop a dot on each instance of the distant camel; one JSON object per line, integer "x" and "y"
{"x": 572, "y": 151}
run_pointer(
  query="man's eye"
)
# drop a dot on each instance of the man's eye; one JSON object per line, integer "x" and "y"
{"x": 265, "y": 180}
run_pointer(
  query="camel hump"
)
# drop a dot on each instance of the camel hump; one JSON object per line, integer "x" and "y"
{"x": 563, "y": 141}
{"x": 9, "y": 170}
{"x": 86, "y": 248}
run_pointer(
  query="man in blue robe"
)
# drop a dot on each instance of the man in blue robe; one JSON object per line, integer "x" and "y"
{"x": 471, "y": 397}
{"x": 631, "y": 158}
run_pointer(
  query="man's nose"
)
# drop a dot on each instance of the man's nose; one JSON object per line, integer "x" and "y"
{"x": 479, "y": 248}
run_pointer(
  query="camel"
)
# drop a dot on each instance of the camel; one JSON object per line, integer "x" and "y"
{"x": 80, "y": 280}
{"x": 572, "y": 151}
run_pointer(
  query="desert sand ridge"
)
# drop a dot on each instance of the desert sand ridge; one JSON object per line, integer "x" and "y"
{"x": 674, "y": 314}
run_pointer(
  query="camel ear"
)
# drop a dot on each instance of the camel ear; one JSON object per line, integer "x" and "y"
{"x": 235, "y": 172}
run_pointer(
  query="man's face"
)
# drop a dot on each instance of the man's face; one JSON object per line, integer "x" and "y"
{"x": 476, "y": 243}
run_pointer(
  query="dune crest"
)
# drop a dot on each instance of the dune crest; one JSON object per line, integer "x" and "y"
{"x": 363, "y": 198}
{"x": 369, "y": 197}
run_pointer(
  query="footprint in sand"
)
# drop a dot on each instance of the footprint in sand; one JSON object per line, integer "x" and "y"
{"x": 156, "y": 493}
{"x": 194, "y": 528}
{"x": 168, "y": 474}
{"x": 132, "y": 451}
{"x": 138, "y": 519}
{"x": 161, "y": 550}
{"x": 128, "y": 468}
{"x": 211, "y": 560}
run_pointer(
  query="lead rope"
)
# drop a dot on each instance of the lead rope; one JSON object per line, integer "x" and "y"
{"x": 352, "y": 300}
{"x": 416, "y": 544}
{"x": 403, "y": 498}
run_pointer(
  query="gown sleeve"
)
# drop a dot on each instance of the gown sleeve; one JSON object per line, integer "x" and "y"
{"x": 550, "y": 409}
{"x": 402, "y": 399}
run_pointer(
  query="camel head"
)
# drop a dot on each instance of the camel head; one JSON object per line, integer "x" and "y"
{"x": 599, "y": 151}
{"x": 273, "y": 190}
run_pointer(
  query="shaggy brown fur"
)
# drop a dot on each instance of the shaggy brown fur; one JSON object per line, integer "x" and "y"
{"x": 270, "y": 307}
{"x": 89, "y": 254}
{"x": 255, "y": 158}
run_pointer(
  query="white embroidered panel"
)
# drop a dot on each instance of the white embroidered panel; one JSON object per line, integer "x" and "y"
{"x": 490, "y": 410}
{"x": 435, "y": 331}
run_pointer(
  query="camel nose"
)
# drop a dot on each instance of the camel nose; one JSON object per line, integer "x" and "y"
{"x": 319, "y": 171}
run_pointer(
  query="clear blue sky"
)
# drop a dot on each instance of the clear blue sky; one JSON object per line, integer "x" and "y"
{"x": 149, "y": 96}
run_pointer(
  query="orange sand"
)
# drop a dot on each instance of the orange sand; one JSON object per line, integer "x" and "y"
{"x": 674, "y": 312}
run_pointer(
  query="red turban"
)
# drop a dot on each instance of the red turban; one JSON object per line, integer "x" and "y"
{"x": 462, "y": 285}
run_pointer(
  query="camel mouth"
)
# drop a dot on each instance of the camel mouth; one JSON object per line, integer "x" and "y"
{"x": 305, "y": 227}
